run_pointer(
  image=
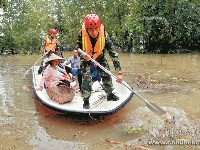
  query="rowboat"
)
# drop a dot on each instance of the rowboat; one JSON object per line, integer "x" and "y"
{"x": 98, "y": 101}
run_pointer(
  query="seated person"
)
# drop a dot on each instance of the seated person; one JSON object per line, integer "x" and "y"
{"x": 62, "y": 72}
{"x": 57, "y": 85}
{"x": 59, "y": 66}
{"x": 74, "y": 61}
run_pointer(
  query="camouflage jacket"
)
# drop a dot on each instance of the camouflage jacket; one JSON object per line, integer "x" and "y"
{"x": 107, "y": 49}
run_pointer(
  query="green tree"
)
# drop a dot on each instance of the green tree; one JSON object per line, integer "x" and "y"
{"x": 169, "y": 26}
{"x": 148, "y": 26}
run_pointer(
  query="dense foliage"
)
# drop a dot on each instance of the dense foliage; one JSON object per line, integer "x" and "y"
{"x": 142, "y": 26}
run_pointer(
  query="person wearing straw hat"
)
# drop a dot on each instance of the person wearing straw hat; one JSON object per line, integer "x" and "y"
{"x": 57, "y": 85}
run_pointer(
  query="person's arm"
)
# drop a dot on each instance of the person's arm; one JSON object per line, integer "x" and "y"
{"x": 113, "y": 54}
{"x": 60, "y": 69}
{"x": 44, "y": 45}
{"x": 67, "y": 62}
{"x": 79, "y": 41}
{"x": 45, "y": 76}
{"x": 40, "y": 88}
{"x": 57, "y": 42}
{"x": 65, "y": 74}
{"x": 79, "y": 62}
{"x": 67, "y": 77}
{"x": 115, "y": 58}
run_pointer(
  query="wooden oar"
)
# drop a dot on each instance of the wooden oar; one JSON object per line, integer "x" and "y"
{"x": 153, "y": 107}
{"x": 37, "y": 62}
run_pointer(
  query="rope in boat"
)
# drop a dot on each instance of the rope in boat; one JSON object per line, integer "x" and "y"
{"x": 97, "y": 103}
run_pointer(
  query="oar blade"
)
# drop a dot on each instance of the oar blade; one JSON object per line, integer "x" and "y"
{"x": 155, "y": 109}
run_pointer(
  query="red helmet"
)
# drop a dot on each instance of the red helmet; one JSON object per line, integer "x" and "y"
{"x": 53, "y": 31}
{"x": 92, "y": 21}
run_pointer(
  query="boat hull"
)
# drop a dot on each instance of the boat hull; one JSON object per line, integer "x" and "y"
{"x": 98, "y": 102}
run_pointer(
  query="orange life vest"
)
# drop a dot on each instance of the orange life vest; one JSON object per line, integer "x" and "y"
{"x": 50, "y": 44}
{"x": 87, "y": 45}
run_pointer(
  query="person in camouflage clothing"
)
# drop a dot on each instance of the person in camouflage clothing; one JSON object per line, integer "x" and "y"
{"x": 94, "y": 40}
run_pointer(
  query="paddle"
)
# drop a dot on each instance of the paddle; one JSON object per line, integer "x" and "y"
{"x": 37, "y": 62}
{"x": 153, "y": 107}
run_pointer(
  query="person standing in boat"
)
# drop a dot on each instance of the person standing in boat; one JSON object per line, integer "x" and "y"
{"x": 57, "y": 86}
{"x": 49, "y": 47}
{"x": 50, "y": 41}
{"x": 94, "y": 40}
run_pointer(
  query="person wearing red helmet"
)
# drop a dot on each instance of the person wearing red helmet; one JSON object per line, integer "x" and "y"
{"x": 50, "y": 41}
{"x": 94, "y": 40}
{"x": 53, "y": 31}
{"x": 49, "y": 47}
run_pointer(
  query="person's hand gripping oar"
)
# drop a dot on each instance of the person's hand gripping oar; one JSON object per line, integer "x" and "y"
{"x": 153, "y": 107}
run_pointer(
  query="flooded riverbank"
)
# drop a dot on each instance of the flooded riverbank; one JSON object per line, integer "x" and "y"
{"x": 170, "y": 81}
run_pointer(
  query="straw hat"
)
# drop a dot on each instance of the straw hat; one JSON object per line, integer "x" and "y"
{"x": 53, "y": 57}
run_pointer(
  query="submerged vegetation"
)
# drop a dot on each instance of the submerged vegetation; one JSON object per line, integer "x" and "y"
{"x": 140, "y": 26}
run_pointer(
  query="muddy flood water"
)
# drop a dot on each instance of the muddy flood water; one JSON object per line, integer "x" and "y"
{"x": 170, "y": 81}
